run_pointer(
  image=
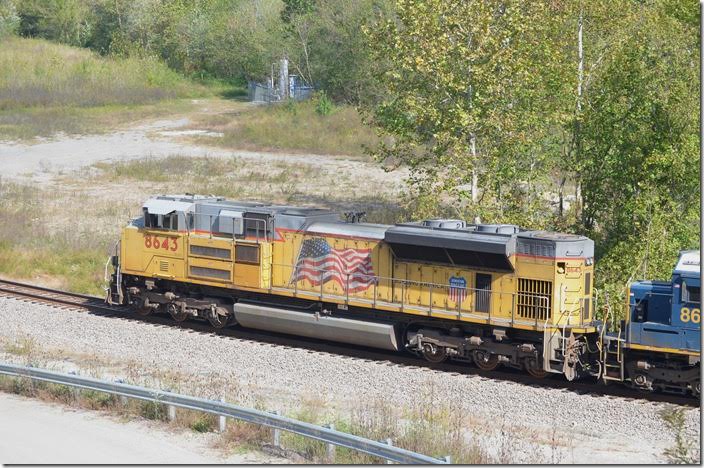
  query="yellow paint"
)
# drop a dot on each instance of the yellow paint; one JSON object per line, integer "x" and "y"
{"x": 415, "y": 288}
{"x": 662, "y": 350}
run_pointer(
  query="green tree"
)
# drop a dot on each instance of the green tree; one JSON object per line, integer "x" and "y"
{"x": 639, "y": 165}
{"x": 9, "y": 18}
{"x": 471, "y": 90}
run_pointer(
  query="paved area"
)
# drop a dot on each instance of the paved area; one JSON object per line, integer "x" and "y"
{"x": 36, "y": 432}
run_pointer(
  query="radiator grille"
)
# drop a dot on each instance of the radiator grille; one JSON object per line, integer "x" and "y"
{"x": 210, "y": 251}
{"x": 534, "y": 299}
{"x": 210, "y": 272}
{"x": 536, "y": 248}
{"x": 163, "y": 266}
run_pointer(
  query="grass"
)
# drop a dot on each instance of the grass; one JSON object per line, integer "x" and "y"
{"x": 38, "y": 73}
{"x": 29, "y": 248}
{"x": 46, "y": 88}
{"x": 296, "y": 127}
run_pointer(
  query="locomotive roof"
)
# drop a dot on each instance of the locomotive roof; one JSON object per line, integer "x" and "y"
{"x": 492, "y": 243}
{"x": 689, "y": 263}
{"x": 164, "y": 204}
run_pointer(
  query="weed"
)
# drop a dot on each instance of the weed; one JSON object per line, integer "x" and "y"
{"x": 684, "y": 450}
{"x": 202, "y": 424}
{"x": 97, "y": 400}
{"x": 153, "y": 410}
{"x": 23, "y": 346}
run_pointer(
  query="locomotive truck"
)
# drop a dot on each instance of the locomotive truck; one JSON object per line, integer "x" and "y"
{"x": 491, "y": 294}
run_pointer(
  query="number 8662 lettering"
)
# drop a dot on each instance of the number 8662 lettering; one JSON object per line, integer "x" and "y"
{"x": 690, "y": 315}
{"x": 168, "y": 243}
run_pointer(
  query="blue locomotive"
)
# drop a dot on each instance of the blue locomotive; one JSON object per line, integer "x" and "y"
{"x": 659, "y": 345}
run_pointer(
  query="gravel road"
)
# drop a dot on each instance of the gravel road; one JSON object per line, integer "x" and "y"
{"x": 632, "y": 430}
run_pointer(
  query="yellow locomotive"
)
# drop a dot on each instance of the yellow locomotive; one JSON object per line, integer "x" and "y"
{"x": 492, "y": 294}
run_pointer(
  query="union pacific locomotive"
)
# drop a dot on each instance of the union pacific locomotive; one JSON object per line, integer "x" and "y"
{"x": 492, "y": 294}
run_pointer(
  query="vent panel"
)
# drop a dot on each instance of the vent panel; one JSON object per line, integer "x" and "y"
{"x": 534, "y": 300}
{"x": 536, "y": 248}
{"x": 214, "y": 252}
{"x": 210, "y": 272}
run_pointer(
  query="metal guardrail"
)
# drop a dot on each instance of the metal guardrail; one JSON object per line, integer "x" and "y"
{"x": 226, "y": 410}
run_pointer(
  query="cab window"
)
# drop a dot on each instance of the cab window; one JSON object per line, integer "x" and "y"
{"x": 691, "y": 293}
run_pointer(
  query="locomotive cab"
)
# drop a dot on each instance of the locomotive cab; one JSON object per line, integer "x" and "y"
{"x": 662, "y": 344}
{"x": 666, "y": 314}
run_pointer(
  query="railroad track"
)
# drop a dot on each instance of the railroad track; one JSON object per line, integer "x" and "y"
{"x": 96, "y": 305}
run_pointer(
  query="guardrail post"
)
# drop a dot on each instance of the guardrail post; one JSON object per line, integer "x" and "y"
{"x": 277, "y": 433}
{"x": 222, "y": 421}
{"x": 171, "y": 410}
{"x": 331, "y": 447}
{"x": 390, "y": 443}
{"x": 123, "y": 398}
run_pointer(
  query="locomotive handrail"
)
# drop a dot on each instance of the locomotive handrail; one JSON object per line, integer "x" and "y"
{"x": 375, "y": 280}
{"x": 227, "y": 410}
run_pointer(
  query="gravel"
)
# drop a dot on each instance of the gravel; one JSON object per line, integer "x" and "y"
{"x": 282, "y": 375}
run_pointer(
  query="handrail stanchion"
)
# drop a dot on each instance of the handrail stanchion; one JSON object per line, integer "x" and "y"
{"x": 430, "y": 299}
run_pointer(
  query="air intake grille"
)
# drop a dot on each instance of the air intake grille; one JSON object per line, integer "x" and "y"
{"x": 534, "y": 299}
{"x": 163, "y": 266}
{"x": 203, "y": 251}
{"x": 536, "y": 248}
{"x": 210, "y": 272}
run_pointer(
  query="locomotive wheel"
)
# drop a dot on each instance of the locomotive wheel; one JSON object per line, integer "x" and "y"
{"x": 143, "y": 308}
{"x": 176, "y": 313}
{"x": 534, "y": 368}
{"x": 485, "y": 360}
{"x": 642, "y": 384}
{"x": 219, "y": 321}
{"x": 696, "y": 387}
{"x": 434, "y": 354}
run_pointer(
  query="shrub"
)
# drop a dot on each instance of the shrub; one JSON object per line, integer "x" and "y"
{"x": 324, "y": 105}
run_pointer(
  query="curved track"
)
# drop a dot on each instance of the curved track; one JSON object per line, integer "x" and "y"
{"x": 97, "y": 306}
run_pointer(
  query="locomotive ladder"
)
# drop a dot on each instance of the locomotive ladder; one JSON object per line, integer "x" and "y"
{"x": 612, "y": 358}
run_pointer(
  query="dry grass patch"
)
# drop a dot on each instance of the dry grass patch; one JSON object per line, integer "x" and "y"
{"x": 293, "y": 126}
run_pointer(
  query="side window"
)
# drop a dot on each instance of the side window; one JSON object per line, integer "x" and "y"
{"x": 247, "y": 254}
{"x": 691, "y": 293}
{"x": 150, "y": 220}
{"x": 170, "y": 221}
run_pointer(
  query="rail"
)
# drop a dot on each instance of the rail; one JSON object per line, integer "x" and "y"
{"x": 226, "y": 410}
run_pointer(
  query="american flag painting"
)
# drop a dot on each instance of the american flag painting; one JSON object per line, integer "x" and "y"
{"x": 319, "y": 262}
{"x": 458, "y": 289}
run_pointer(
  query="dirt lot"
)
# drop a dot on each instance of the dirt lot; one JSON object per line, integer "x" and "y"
{"x": 172, "y": 136}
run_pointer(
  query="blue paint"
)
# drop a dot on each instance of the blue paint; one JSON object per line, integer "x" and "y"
{"x": 656, "y": 312}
